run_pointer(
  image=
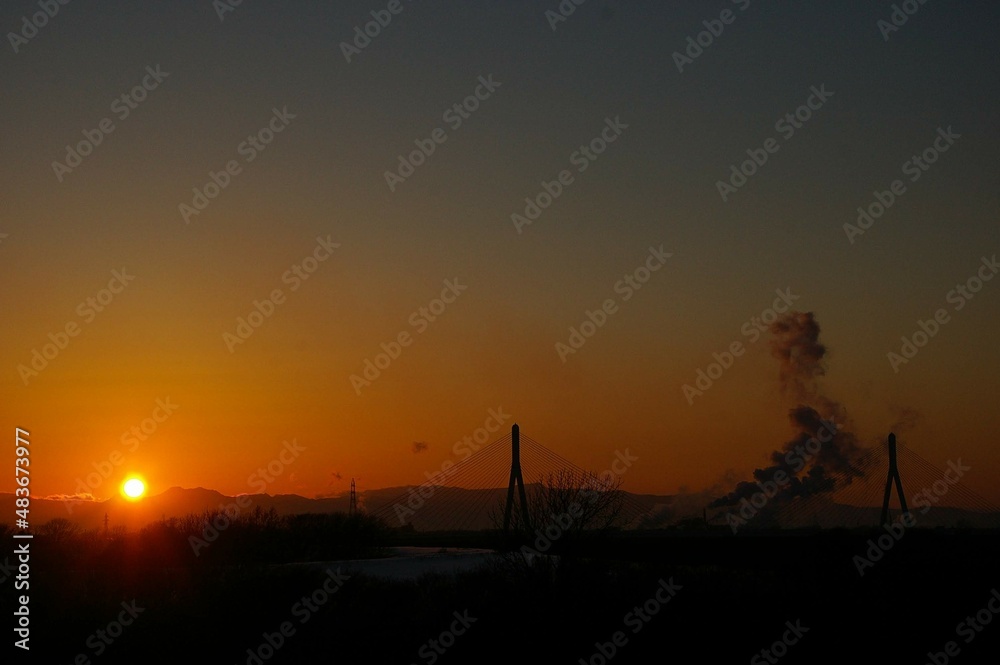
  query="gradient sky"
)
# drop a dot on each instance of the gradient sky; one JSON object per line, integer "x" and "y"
{"x": 495, "y": 346}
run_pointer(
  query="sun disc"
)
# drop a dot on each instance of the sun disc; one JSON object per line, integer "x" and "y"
{"x": 133, "y": 488}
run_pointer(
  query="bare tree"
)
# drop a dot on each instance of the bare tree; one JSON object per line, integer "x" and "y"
{"x": 574, "y": 502}
{"x": 58, "y": 529}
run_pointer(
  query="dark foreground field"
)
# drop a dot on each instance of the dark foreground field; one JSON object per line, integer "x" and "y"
{"x": 682, "y": 596}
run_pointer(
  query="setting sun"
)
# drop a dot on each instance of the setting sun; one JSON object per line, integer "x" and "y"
{"x": 133, "y": 488}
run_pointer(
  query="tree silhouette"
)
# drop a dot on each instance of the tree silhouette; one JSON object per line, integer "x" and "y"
{"x": 570, "y": 502}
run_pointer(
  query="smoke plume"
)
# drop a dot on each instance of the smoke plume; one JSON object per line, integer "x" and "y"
{"x": 823, "y": 453}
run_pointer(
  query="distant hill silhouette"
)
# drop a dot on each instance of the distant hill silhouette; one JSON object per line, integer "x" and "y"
{"x": 434, "y": 513}
{"x": 438, "y": 510}
{"x": 174, "y": 502}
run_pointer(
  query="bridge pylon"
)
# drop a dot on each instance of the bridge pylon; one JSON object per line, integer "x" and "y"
{"x": 516, "y": 478}
{"x": 892, "y": 477}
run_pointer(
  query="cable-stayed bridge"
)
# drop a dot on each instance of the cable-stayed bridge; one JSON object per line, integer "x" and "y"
{"x": 510, "y": 484}
{"x": 516, "y": 484}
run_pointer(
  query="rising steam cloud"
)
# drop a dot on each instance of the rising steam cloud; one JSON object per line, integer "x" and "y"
{"x": 795, "y": 343}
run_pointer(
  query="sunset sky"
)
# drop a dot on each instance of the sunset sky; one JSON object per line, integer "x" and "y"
{"x": 610, "y": 66}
